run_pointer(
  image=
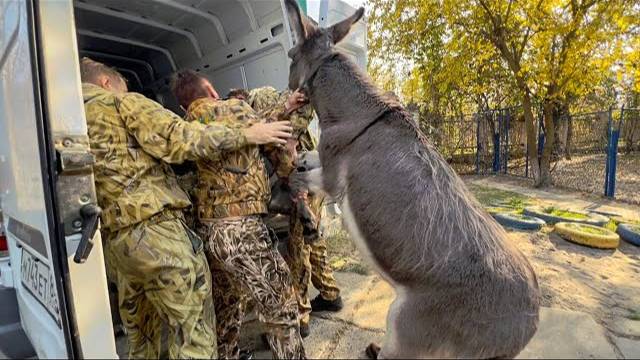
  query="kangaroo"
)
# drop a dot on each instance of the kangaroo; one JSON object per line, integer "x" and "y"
{"x": 462, "y": 290}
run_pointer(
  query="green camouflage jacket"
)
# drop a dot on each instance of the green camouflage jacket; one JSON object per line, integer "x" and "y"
{"x": 267, "y": 101}
{"x": 236, "y": 183}
{"x": 133, "y": 139}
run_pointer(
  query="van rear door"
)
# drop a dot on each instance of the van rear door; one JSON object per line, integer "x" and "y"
{"x": 47, "y": 188}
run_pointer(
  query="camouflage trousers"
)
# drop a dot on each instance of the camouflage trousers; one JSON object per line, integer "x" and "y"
{"x": 308, "y": 262}
{"x": 246, "y": 265}
{"x": 164, "y": 289}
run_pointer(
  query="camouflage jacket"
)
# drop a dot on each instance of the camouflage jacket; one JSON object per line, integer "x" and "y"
{"x": 235, "y": 184}
{"x": 133, "y": 139}
{"x": 268, "y": 102}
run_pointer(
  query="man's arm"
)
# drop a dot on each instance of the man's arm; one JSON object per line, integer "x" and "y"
{"x": 162, "y": 134}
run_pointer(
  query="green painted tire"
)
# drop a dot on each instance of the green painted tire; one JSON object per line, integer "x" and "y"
{"x": 519, "y": 221}
{"x": 630, "y": 233}
{"x": 588, "y": 235}
{"x": 578, "y": 216}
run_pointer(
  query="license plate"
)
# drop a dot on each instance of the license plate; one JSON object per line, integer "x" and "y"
{"x": 38, "y": 279}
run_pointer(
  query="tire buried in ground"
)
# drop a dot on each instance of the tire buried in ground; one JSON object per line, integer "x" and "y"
{"x": 588, "y": 235}
{"x": 580, "y": 216}
{"x": 519, "y": 221}
{"x": 498, "y": 210}
{"x": 629, "y": 233}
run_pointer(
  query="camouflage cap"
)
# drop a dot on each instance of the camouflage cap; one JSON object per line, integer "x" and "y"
{"x": 263, "y": 98}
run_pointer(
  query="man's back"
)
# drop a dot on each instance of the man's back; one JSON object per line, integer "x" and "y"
{"x": 131, "y": 184}
{"x": 235, "y": 184}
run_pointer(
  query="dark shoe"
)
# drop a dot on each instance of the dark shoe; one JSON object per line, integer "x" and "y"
{"x": 265, "y": 341}
{"x": 304, "y": 330}
{"x": 372, "y": 351}
{"x": 246, "y": 355}
{"x": 320, "y": 304}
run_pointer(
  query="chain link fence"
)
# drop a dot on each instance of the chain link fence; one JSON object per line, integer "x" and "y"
{"x": 597, "y": 152}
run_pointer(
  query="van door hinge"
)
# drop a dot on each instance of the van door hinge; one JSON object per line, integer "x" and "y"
{"x": 75, "y": 183}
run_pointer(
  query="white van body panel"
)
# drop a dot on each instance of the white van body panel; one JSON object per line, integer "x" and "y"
{"x": 21, "y": 183}
{"x": 66, "y": 113}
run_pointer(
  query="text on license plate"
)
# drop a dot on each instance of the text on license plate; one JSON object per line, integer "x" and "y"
{"x": 38, "y": 279}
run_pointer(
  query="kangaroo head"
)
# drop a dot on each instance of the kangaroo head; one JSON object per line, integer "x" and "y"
{"x": 313, "y": 44}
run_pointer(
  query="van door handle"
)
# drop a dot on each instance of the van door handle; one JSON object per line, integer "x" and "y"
{"x": 90, "y": 214}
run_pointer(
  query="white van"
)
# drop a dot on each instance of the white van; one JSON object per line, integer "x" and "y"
{"x": 54, "y": 277}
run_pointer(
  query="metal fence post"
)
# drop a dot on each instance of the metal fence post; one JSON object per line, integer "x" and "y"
{"x": 477, "y": 144}
{"x": 614, "y": 160}
{"x": 506, "y": 139}
{"x": 607, "y": 167}
{"x": 496, "y": 147}
{"x": 613, "y": 153}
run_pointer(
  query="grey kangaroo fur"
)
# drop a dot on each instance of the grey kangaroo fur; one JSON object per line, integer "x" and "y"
{"x": 462, "y": 290}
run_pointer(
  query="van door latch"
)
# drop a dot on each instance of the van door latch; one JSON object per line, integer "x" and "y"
{"x": 90, "y": 214}
{"x": 75, "y": 183}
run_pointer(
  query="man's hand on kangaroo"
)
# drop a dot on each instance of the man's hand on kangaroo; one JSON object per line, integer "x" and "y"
{"x": 296, "y": 100}
{"x": 269, "y": 133}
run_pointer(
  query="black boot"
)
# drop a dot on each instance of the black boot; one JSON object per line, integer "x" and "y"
{"x": 372, "y": 351}
{"x": 246, "y": 355}
{"x": 320, "y": 304}
{"x": 304, "y": 330}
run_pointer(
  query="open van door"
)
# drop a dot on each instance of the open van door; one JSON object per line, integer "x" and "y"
{"x": 46, "y": 184}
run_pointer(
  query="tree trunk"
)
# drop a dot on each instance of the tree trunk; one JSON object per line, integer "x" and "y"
{"x": 547, "y": 149}
{"x": 569, "y": 137}
{"x": 529, "y": 123}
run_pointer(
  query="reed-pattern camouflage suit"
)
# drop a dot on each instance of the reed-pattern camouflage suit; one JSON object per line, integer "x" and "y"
{"x": 232, "y": 196}
{"x": 163, "y": 281}
{"x": 307, "y": 262}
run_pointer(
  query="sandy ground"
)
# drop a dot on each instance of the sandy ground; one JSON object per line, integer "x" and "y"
{"x": 603, "y": 283}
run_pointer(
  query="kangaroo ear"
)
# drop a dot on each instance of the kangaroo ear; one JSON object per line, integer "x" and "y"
{"x": 297, "y": 22}
{"x": 341, "y": 29}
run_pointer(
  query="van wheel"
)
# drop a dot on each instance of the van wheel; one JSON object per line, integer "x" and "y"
{"x": 630, "y": 233}
{"x": 519, "y": 221}
{"x": 588, "y": 235}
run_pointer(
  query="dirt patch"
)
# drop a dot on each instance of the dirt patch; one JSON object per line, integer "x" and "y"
{"x": 602, "y": 283}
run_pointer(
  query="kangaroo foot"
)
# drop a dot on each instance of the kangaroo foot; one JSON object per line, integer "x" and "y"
{"x": 372, "y": 351}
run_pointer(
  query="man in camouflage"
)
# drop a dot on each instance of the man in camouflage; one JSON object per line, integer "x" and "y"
{"x": 232, "y": 197}
{"x": 162, "y": 277}
{"x": 307, "y": 260}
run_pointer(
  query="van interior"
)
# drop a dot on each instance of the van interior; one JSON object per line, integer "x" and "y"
{"x": 235, "y": 43}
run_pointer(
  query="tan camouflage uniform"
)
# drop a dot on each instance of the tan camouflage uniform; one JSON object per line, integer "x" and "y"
{"x": 306, "y": 261}
{"x": 232, "y": 195}
{"x": 163, "y": 281}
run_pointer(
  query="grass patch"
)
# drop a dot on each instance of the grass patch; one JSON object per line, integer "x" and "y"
{"x": 567, "y": 214}
{"x": 618, "y": 220}
{"x": 588, "y": 229}
{"x": 343, "y": 255}
{"x": 611, "y": 225}
{"x": 634, "y": 315}
{"x": 492, "y": 197}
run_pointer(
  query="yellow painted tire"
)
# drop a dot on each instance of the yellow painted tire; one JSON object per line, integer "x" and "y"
{"x": 588, "y": 235}
{"x": 498, "y": 210}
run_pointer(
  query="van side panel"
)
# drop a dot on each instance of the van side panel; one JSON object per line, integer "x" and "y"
{"x": 21, "y": 184}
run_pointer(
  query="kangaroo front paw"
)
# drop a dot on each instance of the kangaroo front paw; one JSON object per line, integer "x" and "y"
{"x": 372, "y": 351}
